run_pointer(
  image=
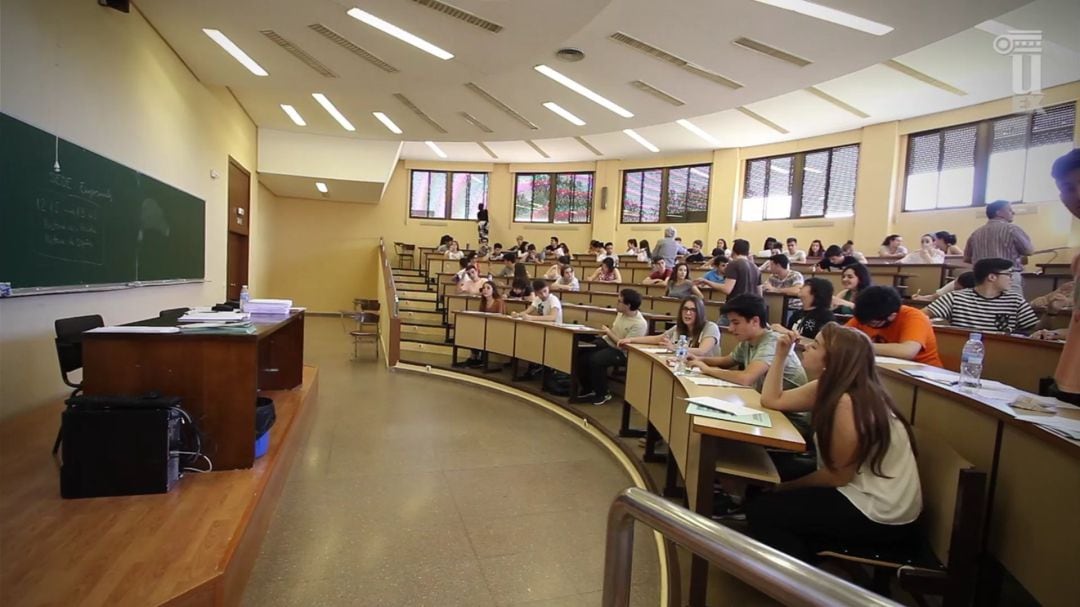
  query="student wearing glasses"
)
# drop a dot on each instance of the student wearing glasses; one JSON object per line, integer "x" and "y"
{"x": 990, "y": 306}
{"x": 896, "y": 330}
{"x": 629, "y": 324}
{"x": 702, "y": 335}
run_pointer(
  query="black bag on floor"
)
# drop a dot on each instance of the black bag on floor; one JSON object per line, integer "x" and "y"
{"x": 265, "y": 416}
{"x": 557, "y": 383}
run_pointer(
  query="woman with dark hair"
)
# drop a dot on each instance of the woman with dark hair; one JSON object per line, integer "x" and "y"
{"x": 816, "y": 296}
{"x": 521, "y": 288}
{"x": 521, "y": 271}
{"x": 893, "y": 246}
{"x": 866, "y": 487}
{"x": 644, "y": 251}
{"x": 721, "y": 248}
{"x": 946, "y": 243}
{"x": 816, "y": 249}
{"x": 631, "y": 246}
{"x": 607, "y": 272}
{"x": 702, "y": 335}
{"x": 855, "y": 278}
{"x": 482, "y": 222}
{"x": 491, "y": 301}
{"x": 680, "y": 285}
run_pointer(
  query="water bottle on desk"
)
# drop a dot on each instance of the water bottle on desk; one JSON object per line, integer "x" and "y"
{"x": 245, "y": 297}
{"x": 971, "y": 363}
{"x": 681, "y": 348}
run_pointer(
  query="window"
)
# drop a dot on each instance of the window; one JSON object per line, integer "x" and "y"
{"x": 447, "y": 195}
{"x": 553, "y": 197}
{"x": 820, "y": 183}
{"x": 668, "y": 195}
{"x": 1005, "y": 158}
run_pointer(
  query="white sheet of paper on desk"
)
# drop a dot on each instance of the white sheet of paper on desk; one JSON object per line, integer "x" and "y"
{"x": 135, "y": 329}
{"x": 933, "y": 374}
{"x": 655, "y": 350}
{"x": 755, "y": 419}
{"x": 1065, "y": 425}
{"x": 894, "y": 361}
{"x": 713, "y": 381}
{"x": 213, "y": 316}
{"x": 722, "y": 405}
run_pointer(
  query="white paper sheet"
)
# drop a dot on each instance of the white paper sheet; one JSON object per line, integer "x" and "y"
{"x": 722, "y": 405}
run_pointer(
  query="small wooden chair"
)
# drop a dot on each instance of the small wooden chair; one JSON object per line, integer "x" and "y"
{"x": 945, "y": 562}
{"x": 405, "y": 251}
{"x": 365, "y": 323}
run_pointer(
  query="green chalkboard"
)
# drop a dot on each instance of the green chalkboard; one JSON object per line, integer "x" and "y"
{"x": 91, "y": 222}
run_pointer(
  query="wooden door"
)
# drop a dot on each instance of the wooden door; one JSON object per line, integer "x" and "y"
{"x": 239, "y": 222}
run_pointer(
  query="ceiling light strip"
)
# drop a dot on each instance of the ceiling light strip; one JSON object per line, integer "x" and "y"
{"x": 408, "y": 38}
{"x": 419, "y": 112}
{"x": 472, "y": 86}
{"x": 435, "y": 148}
{"x": 293, "y": 115}
{"x": 461, "y": 15}
{"x": 473, "y": 120}
{"x": 815, "y": 91}
{"x": 237, "y": 53}
{"x": 302, "y": 55}
{"x": 489, "y": 151}
{"x": 907, "y": 70}
{"x": 584, "y": 91}
{"x": 344, "y": 43}
{"x": 831, "y": 15}
{"x": 588, "y": 146}
{"x": 540, "y": 151}
{"x": 695, "y": 129}
{"x": 389, "y": 124}
{"x": 645, "y": 143}
{"x": 770, "y": 51}
{"x": 666, "y": 57}
{"x": 655, "y": 92}
{"x": 564, "y": 113}
{"x": 333, "y": 111}
{"x": 763, "y": 120}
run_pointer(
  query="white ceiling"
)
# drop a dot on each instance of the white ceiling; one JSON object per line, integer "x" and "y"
{"x": 935, "y": 37}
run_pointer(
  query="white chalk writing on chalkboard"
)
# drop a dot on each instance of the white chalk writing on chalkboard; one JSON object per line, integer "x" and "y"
{"x": 70, "y": 227}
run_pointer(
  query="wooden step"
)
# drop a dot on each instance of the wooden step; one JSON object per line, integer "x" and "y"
{"x": 423, "y": 316}
{"x": 417, "y": 306}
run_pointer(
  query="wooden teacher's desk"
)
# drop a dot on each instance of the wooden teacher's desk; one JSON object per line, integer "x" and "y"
{"x": 217, "y": 376}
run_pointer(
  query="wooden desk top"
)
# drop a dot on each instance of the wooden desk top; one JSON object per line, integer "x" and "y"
{"x": 265, "y": 324}
{"x": 646, "y": 315}
{"x": 989, "y": 337}
{"x": 782, "y": 434}
{"x": 565, "y": 327}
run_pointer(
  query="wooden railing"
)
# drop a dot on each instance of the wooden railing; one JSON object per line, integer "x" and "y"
{"x": 389, "y": 321}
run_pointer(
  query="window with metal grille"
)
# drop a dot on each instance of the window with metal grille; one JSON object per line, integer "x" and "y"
{"x": 819, "y": 183}
{"x": 666, "y": 195}
{"x": 553, "y": 197}
{"x": 447, "y": 194}
{"x": 1005, "y": 158}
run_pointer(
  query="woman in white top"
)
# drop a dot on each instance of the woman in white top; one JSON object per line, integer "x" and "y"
{"x": 702, "y": 335}
{"x": 454, "y": 251}
{"x": 892, "y": 246}
{"x": 866, "y": 488}
{"x": 927, "y": 253}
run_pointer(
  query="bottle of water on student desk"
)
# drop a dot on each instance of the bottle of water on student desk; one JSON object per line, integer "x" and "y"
{"x": 681, "y": 348}
{"x": 245, "y": 296}
{"x": 971, "y": 362}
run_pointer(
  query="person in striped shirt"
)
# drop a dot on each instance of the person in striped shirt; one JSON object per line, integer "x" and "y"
{"x": 991, "y": 305}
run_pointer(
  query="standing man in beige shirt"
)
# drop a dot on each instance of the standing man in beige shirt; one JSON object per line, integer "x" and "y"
{"x": 1000, "y": 238}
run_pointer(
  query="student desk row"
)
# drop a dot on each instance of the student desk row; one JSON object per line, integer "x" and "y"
{"x": 1018, "y": 361}
{"x": 1034, "y": 481}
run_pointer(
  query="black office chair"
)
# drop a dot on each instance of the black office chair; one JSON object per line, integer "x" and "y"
{"x": 173, "y": 313}
{"x": 69, "y": 351}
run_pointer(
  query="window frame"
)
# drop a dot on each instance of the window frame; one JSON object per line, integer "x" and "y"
{"x": 448, "y": 200}
{"x": 552, "y": 187}
{"x": 984, "y": 145}
{"x": 663, "y": 216}
{"x": 798, "y": 165}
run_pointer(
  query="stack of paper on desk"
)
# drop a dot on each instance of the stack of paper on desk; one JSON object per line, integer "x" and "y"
{"x": 244, "y": 327}
{"x": 203, "y": 316}
{"x": 1064, "y": 426}
{"x": 756, "y": 418}
{"x": 268, "y": 306}
{"x": 134, "y": 329}
{"x": 722, "y": 405}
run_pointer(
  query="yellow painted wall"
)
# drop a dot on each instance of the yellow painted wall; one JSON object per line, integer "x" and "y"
{"x": 106, "y": 81}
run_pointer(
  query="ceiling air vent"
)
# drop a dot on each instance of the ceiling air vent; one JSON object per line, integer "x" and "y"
{"x": 299, "y": 53}
{"x": 677, "y": 61}
{"x": 760, "y": 47}
{"x": 538, "y": 149}
{"x": 473, "y": 120}
{"x": 419, "y": 112}
{"x": 472, "y": 86}
{"x": 487, "y": 150}
{"x": 655, "y": 92}
{"x": 587, "y": 145}
{"x": 570, "y": 55}
{"x": 344, "y": 43}
{"x": 461, "y": 15}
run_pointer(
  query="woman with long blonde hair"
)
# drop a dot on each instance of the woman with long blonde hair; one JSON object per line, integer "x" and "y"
{"x": 866, "y": 489}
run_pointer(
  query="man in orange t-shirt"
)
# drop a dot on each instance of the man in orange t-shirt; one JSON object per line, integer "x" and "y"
{"x": 897, "y": 330}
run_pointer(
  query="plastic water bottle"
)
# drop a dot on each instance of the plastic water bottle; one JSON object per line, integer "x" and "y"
{"x": 245, "y": 296}
{"x": 971, "y": 362}
{"x": 681, "y": 348}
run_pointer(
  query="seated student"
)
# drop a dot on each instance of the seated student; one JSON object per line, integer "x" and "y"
{"x": 783, "y": 279}
{"x": 463, "y": 265}
{"x": 848, "y": 249}
{"x": 714, "y": 277}
{"x": 696, "y": 253}
{"x": 679, "y": 284}
{"x": 816, "y": 250}
{"x": 491, "y": 301}
{"x": 444, "y": 243}
{"x": 893, "y": 246}
{"x": 496, "y": 251}
{"x": 519, "y": 243}
{"x": 607, "y": 272}
{"x": 990, "y": 306}
{"x": 509, "y": 263}
{"x": 816, "y": 297}
{"x": 660, "y": 274}
{"x": 927, "y": 253}
{"x": 454, "y": 251}
{"x": 896, "y": 330}
{"x": 946, "y": 243}
{"x": 471, "y": 282}
{"x": 520, "y": 288}
{"x": 549, "y": 251}
{"x": 556, "y": 270}
{"x": 629, "y": 323}
{"x": 855, "y": 278}
{"x": 644, "y": 251}
{"x": 794, "y": 254}
{"x": 566, "y": 281}
{"x": 604, "y": 251}
{"x": 721, "y": 248}
{"x": 834, "y": 258}
{"x": 531, "y": 255}
{"x": 545, "y": 306}
{"x": 866, "y": 488}
{"x": 702, "y": 336}
{"x": 963, "y": 281}
{"x": 632, "y": 247}
{"x": 483, "y": 251}
{"x": 748, "y": 323}
{"x": 770, "y": 248}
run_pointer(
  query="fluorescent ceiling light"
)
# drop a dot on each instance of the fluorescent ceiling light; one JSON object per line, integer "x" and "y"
{"x": 333, "y": 111}
{"x": 831, "y": 15}
{"x": 293, "y": 114}
{"x": 321, "y": 187}
{"x": 383, "y": 118}
{"x": 434, "y": 148}
{"x": 399, "y": 33}
{"x": 560, "y": 110}
{"x": 643, "y": 141}
{"x": 231, "y": 48}
{"x": 583, "y": 91}
{"x": 695, "y": 129}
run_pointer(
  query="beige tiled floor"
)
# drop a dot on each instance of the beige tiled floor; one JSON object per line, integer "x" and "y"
{"x": 415, "y": 491}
